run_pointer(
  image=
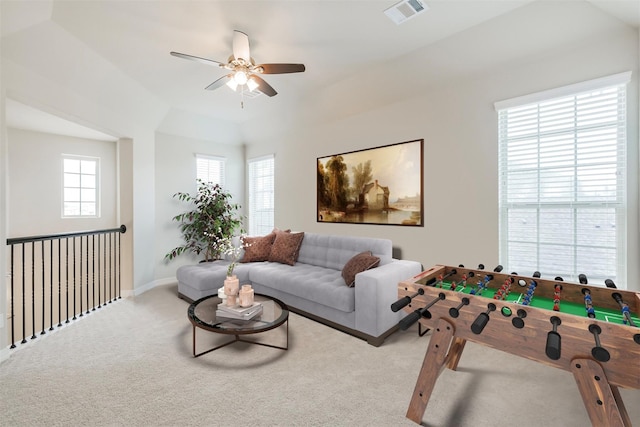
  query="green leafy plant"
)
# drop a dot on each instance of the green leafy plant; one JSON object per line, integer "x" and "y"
{"x": 211, "y": 225}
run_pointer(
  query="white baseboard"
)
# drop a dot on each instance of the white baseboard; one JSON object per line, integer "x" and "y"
{"x": 148, "y": 286}
{"x": 4, "y": 354}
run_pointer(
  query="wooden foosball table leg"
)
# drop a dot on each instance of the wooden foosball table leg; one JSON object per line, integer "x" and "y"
{"x": 433, "y": 364}
{"x": 602, "y": 400}
{"x": 456, "y": 352}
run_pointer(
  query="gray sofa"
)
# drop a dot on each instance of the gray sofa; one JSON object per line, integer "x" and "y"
{"x": 314, "y": 286}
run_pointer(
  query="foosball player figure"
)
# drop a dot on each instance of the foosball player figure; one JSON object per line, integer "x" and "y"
{"x": 530, "y": 291}
{"x": 504, "y": 290}
{"x": 588, "y": 305}
{"x": 626, "y": 313}
{"x": 556, "y": 297}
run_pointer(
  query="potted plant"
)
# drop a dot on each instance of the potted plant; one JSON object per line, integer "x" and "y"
{"x": 210, "y": 226}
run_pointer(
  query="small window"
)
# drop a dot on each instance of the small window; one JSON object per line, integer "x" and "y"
{"x": 80, "y": 186}
{"x": 261, "y": 194}
{"x": 210, "y": 169}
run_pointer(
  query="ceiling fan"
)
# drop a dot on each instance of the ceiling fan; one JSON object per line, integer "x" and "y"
{"x": 244, "y": 71}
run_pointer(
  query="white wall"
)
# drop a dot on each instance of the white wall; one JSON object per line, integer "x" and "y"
{"x": 175, "y": 165}
{"x": 35, "y": 182}
{"x": 4, "y": 338}
{"x": 455, "y": 116}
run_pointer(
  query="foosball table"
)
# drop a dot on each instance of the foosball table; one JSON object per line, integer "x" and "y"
{"x": 591, "y": 331}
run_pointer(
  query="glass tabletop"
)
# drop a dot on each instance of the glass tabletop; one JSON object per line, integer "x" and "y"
{"x": 202, "y": 314}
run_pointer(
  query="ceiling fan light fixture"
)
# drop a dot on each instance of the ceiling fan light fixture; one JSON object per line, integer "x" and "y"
{"x": 240, "y": 77}
{"x": 233, "y": 84}
{"x": 252, "y": 84}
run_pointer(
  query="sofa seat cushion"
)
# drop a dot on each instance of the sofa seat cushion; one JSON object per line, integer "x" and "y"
{"x": 210, "y": 275}
{"x": 318, "y": 284}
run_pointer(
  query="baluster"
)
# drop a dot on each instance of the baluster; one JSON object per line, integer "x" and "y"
{"x": 87, "y": 275}
{"x": 13, "y": 340}
{"x": 109, "y": 269}
{"x": 43, "y": 290}
{"x": 33, "y": 290}
{"x": 66, "y": 295}
{"x": 100, "y": 276}
{"x": 93, "y": 270}
{"x": 104, "y": 265}
{"x": 24, "y": 331}
{"x": 51, "y": 285}
{"x": 74, "y": 280}
{"x": 97, "y": 247}
{"x": 59, "y": 282}
{"x": 81, "y": 281}
{"x": 119, "y": 259}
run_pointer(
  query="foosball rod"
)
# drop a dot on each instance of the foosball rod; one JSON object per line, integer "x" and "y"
{"x": 449, "y": 274}
{"x": 624, "y": 307}
{"x": 417, "y": 314}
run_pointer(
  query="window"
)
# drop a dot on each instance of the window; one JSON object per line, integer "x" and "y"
{"x": 562, "y": 181}
{"x": 210, "y": 169}
{"x": 80, "y": 186}
{"x": 261, "y": 189}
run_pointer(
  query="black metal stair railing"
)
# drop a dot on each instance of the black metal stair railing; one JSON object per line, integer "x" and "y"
{"x": 64, "y": 276}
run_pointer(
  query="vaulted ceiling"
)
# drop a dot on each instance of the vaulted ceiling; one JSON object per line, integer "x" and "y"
{"x": 339, "y": 42}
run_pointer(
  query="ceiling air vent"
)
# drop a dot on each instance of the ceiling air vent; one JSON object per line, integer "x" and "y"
{"x": 405, "y": 10}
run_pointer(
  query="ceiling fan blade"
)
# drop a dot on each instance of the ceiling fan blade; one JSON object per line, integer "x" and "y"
{"x": 281, "y": 68}
{"x": 220, "y": 82}
{"x": 197, "y": 58}
{"x": 264, "y": 87}
{"x": 241, "y": 46}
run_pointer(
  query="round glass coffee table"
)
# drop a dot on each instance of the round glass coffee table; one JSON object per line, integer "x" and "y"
{"x": 202, "y": 314}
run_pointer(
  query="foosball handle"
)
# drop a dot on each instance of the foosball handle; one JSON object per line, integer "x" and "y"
{"x": 552, "y": 349}
{"x": 455, "y": 311}
{"x": 498, "y": 268}
{"x": 600, "y": 353}
{"x": 481, "y": 321}
{"x": 412, "y": 318}
{"x": 404, "y": 301}
{"x": 518, "y": 322}
{"x": 583, "y": 279}
{"x": 609, "y": 284}
{"x": 536, "y": 274}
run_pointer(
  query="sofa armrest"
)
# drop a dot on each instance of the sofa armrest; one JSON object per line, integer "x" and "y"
{"x": 376, "y": 290}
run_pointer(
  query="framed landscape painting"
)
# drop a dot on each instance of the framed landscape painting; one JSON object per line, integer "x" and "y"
{"x": 381, "y": 185}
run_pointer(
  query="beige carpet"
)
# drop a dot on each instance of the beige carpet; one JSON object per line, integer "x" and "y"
{"x": 131, "y": 365}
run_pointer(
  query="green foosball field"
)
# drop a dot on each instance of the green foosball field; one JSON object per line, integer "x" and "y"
{"x": 518, "y": 293}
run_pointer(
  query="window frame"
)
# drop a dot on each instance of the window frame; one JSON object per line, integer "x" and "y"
{"x": 97, "y": 193}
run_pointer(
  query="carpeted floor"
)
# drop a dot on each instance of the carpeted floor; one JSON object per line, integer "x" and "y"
{"x": 130, "y": 364}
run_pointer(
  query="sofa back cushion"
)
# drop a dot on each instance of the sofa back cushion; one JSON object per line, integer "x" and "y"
{"x": 334, "y": 251}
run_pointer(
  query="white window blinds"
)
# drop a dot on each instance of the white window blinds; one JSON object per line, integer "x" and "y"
{"x": 210, "y": 169}
{"x": 261, "y": 195}
{"x": 562, "y": 181}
